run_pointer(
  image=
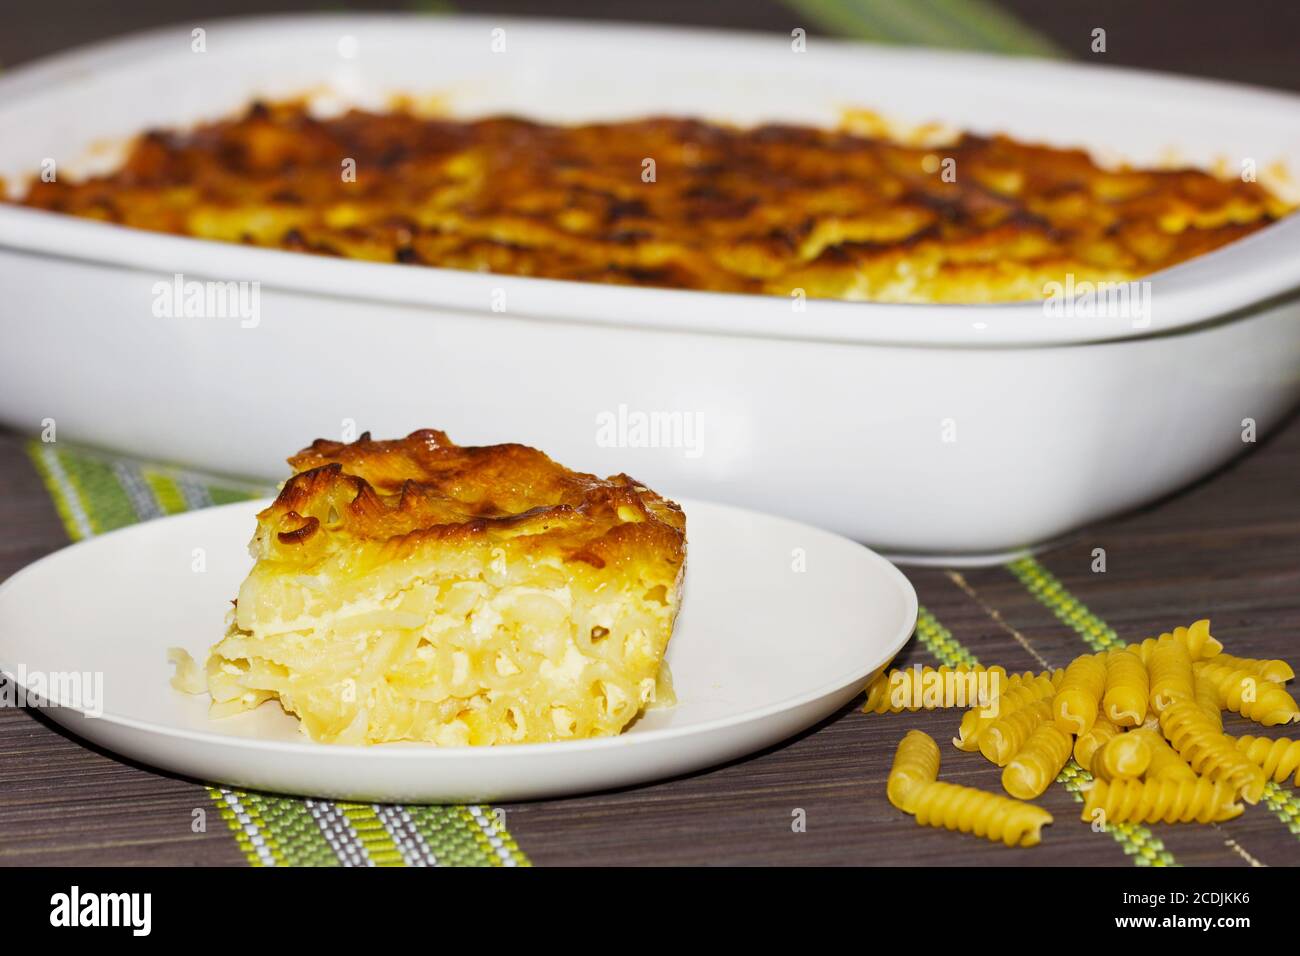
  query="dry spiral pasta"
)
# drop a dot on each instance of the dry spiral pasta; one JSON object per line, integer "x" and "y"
{"x": 1152, "y": 736}
{"x": 1078, "y": 699}
{"x": 1210, "y": 751}
{"x": 905, "y": 689}
{"x": 1279, "y": 672}
{"x": 1164, "y": 763}
{"x": 1022, "y": 691}
{"x": 1003, "y": 738}
{"x": 1207, "y": 698}
{"x": 988, "y": 815}
{"x": 1127, "y": 688}
{"x": 916, "y": 763}
{"x": 1125, "y": 756}
{"x": 1170, "y": 668}
{"x": 1087, "y": 745}
{"x": 1038, "y": 762}
{"x": 1160, "y": 801}
{"x": 1200, "y": 644}
{"x": 1245, "y": 693}
{"x": 1278, "y": 759}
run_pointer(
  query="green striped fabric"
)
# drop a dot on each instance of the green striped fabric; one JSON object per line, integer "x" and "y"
{"x": 96, "y": 493}
{"x": 954, "y": 24}
{"x": 1068, "y": 609}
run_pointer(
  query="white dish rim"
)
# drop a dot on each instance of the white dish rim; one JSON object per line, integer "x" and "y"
{"x": 1220, "y": 285}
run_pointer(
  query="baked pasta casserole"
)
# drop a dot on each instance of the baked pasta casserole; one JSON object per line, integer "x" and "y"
{"x": 419, "y": 590}
{"x": 670, "y": 202}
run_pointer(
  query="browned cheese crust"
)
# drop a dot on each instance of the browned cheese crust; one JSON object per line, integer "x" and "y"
{"x": 773, "y": 209}
{"x": 426, "y": 490}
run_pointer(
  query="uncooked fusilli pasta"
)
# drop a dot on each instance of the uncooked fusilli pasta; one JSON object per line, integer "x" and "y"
{"x": 1154, "y": 801}
{"x": 1278, "y": 759}
{"x": 1165, "y": 764}
{"x": 1022, "y": 691}
{"x": 1170, "y": 667}
{"x": 1279, "y": 672}
{"x": 1039, "y": 761}
{"x": 1149, "y": 720}
{"x": 916, "y": 763}
{"x": 1200, "y": 644}
{"x": 1210, "y": 752}
{"x": 1245, "y": 693}
{"x": 1207, "y": 698}
{"x": 1127, "y": 689}
{"x": 1003, "y": 738}
{"x": 988, "y": 815}
{"x": 1086, "y": 747}
{"x": 1075, "y": 707}
{"x": 1123, "y": 757}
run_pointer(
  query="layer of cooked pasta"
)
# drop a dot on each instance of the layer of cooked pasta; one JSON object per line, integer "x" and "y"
{"x": 419, "y": 590}
{"x": 671, "y": 202}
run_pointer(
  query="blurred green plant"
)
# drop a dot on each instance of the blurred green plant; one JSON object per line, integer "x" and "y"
{"x": 954, "y": 24}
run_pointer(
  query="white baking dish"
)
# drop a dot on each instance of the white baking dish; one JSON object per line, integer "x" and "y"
{"x": 842, "y": 415}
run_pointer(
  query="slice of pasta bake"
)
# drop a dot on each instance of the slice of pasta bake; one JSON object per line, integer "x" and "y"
{"x": 418, "y": 590}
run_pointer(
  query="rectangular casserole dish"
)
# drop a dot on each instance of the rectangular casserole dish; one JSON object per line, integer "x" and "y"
{"x": 946, "y": 433}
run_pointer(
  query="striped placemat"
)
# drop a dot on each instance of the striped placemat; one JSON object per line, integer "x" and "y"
{"x": 95, "y": 493}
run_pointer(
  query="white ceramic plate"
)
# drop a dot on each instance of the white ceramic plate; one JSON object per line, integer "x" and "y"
{"x": 761, "y": 652}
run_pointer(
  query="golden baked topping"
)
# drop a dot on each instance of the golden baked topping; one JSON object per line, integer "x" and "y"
{"x": 425, "y": 486}
{"x": 671, "y": 202}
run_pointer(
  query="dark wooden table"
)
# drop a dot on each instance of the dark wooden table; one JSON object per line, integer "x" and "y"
{"x": 1228, "y": 549}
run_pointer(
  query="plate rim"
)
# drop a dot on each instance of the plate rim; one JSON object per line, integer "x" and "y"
{"x": 411, "y": 750}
